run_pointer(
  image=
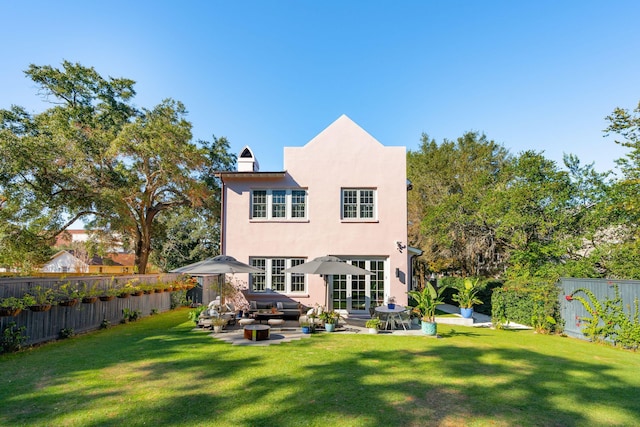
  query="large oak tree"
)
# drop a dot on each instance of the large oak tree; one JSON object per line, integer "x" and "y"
{"x": 93, "y": 156}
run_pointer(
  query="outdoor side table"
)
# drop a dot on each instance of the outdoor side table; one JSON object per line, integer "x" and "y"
{"x": 393, "y": 315}
{"x": 257, "y": 332}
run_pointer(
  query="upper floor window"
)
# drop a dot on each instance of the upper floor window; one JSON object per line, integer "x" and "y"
{"x": 358, "y": 203}
{"x": 278, "y": 204}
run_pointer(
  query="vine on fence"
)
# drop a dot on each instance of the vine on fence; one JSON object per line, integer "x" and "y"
{"x": 609, "y": 321}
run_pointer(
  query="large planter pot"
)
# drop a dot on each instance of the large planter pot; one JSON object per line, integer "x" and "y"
{"x": 429, "y": 328}
{"x": 306, "y": 329}
{"x": 40, "y": 307}
{"x": 217, "y": 328}
{"x": 329, "y": 327}
{"x": 9, "y": 311}
{"x": 467, "y": 313}
{"x": 373, "y": 330}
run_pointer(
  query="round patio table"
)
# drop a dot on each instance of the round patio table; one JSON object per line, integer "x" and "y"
{"x": 257, "y": 332}
{"x": 393, "y": 315}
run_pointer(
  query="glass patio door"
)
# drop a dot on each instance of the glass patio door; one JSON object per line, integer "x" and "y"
{"x": 357, "y": 293}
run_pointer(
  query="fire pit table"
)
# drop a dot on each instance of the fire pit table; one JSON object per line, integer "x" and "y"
{"x": 257, "y": 332}
{"x": 266, "y": 315}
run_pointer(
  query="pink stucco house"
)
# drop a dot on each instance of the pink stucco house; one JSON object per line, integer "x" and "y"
{"x": 342, "y": 194}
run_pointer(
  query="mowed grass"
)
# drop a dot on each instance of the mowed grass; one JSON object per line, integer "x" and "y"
{"x": 159, "y": 371}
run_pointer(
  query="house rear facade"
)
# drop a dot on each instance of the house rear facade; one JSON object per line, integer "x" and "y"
{"x": 342, "y": 194}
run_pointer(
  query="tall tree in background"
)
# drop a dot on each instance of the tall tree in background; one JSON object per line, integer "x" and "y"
{"x": 93, "y": 156}
{"x": 451, "y": 182}
{"x": 189, "y": 235}
{"x": 54, "y": 164}
{"x": 157, "y": 170}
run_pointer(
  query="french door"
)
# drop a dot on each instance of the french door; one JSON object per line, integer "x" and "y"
{"x": 357, "y": 293}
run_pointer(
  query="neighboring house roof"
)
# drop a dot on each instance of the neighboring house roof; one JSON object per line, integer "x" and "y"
{"x": 69, "y": 236}
{"x": 122, "y": 259}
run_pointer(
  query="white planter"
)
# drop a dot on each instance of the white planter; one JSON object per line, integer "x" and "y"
{"x": 373, "y": 330}
{"x": 217, "y": 329}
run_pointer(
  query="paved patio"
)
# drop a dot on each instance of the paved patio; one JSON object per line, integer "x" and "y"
{"x": 353, "y": 325}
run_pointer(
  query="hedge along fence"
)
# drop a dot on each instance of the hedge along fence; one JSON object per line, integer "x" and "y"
{"x": 533, "y": 304}
{"x": 83, "y": 317}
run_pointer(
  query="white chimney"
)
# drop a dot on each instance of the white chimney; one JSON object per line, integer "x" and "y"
{"x": 247, "y": 161}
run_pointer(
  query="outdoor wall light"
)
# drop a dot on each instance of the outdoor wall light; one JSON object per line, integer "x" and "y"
{"x": 397, "y": 272}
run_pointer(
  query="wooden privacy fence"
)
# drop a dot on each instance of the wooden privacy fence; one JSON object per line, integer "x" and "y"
{"x": 572, "y": 311}
{"x": 84, "y": 317}
{"x": 18, "y": 286}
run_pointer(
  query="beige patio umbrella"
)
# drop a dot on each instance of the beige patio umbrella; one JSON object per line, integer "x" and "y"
{"x": 327, "y": 265}
{"x": 221, "y": 264}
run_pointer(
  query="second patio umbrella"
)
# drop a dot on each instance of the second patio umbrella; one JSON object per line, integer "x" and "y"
{"x": 326, "y": 265}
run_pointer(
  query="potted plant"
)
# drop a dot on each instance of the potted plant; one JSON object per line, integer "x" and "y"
{"x": 195, "y": 313}
{"x": 108, "y": 294}
{"x": 68, "y": 295}
{"x": 426, "y": 302}
{"x": 306, "y": 327}
{"x": 218, "y": 323}
{"x": 372, "y": 324}
{"x": 10, "y": 306}
{"x": 466, "y": 297}
{"x": 90, "y": 294}
{"x": 330, "y": 319}
{"x": 40, "y": 300}
{"x": 391, "y": 303}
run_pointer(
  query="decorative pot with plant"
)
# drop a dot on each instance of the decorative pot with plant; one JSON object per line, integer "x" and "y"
{"x": 68, "y": 294}
{"x": 108, "y": 294}
{"x": 426, "y": 301}
{"x": 466, "y": 297}
{"x": 330, "y": 319}
{"x": 41, "y": 299}
{"x": 218, "y": 323}
{"x": 373, "y": 324}
{"x": 306, "y": 327}
{"x": 391, "y": 303}
{"x": 89, "y": 293}
{"x": 10, "y": 306}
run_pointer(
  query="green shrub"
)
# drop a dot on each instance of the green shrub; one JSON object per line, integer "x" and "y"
{"x": 66, "y": 333}
{"x": 534, "y": 304}
{"x": 130, "y": 315}
{"x": 12, "y": 338}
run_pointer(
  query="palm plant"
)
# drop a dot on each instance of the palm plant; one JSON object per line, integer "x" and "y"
{"x": 466, "y": 296}
{"x": 427, "y": 300}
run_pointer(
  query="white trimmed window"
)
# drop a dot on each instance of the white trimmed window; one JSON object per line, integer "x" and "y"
{"x": 274, "y": 279}
{"x": 359, "y": 204}
{"x": 279, "y": 205}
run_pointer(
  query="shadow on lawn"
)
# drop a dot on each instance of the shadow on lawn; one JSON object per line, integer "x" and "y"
{"x": 361, "y": 380}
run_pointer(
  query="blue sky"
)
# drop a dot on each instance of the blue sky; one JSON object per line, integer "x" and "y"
{"x": 538, "y": 75}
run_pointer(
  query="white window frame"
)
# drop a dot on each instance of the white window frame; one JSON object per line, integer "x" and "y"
{"x": 272, "y": 199}
{"x": 358, "y": 205}
{"x": 268, "y": 264}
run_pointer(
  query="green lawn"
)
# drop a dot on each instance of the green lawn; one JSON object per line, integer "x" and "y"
{"x": 158, "y": 371}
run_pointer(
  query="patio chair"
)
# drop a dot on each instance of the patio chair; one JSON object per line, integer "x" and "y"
{"x": 405, "y": 318}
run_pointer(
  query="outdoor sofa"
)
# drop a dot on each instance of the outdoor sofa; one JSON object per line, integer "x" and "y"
{"x": 290, "y": 309}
